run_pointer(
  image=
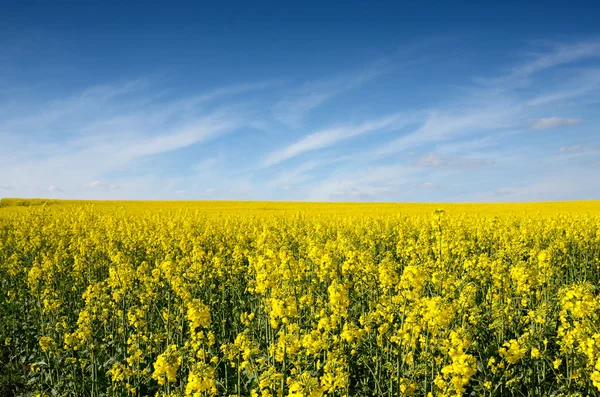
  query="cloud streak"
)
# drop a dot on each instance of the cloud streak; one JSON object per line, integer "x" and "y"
{"x": 104, "y": 131}
{"x": 436, "y": 160}
{"x": 384, "y": 183}
{"x": 292, "y": 110}
{"x": 552, "y": 122}
{"x": 439, "y": 127}
{"x": 492, "y": 106}
{"x": 334, "y": 135}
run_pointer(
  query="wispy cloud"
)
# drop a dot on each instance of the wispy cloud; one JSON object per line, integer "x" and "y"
{"x": 559, "y": 54}
{"x": 104, "y": 130}
{"x": 491, "y": 106}
{"x": 295, "y": 176}
{"x": 468, "y": 145}
{"x": 293, "y": 109}
{"x": 552, "y": 122}
{"x": 192, "y": 103}
{"x": 98, "y": 185}
{"x": 436, "y": 160}
{"x": 429, "y": 185}
{"x": 439, "y": 127}
{"x": 578, "y": 84}
{"x": 572, "y": 149}
{"x": 297, "y": 104}
{"x": 331, "y": 136}
{"x": 373, "y": 183}
{"x": 183, "y": 136}
{"x": 550, "y": 56}
{"x": 95, "y": 184}
{"x": 205, "y": 165}
{"x": 569, "y": 185}
{"x": 579, "y": 150}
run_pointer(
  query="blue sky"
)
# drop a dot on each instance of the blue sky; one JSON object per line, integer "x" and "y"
{"x": 404, "y": 101}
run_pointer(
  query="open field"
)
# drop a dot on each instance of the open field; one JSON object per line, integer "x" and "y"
{"x": 299, "y": 299}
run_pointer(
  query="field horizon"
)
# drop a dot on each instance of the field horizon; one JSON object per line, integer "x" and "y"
{"x": 325, "y": 207}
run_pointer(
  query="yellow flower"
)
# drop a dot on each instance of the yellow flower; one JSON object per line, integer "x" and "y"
{"x": 47, "y": 343}
{"x": 166, "y": 365}
{"x": 557, "y": 363}
{"x": 512, "y": 351}
{"x": 201, "y": 380}
{"x": 198, "y": 314}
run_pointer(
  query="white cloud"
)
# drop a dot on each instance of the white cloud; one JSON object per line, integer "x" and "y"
{"x": 79, "y": 161}
{"x": 429, "y": 185}
{"x": 205, "y": 165}
{"x": 95, "y": 184}
{"x": 577, "y": 151}
{"x": 550, "y": 57}
{"x": 469, "y": 145}
{"x": 559, "y": 55}
{"x": 379, "y": 182}
{"x": 193, "y": 103}
{"x": 292, "y": 110}
{"x": 440, "y": 127}
{"x": 572, "y": 149}
{"x": 552, "y": 122}
{"x": 496, "y": 107}
{"x": 570, "y": 184}
{"x": 296, "y": 175}
{"x": 184, "y": 136}
{"x": 103, "y": 186}
{"x": 580, "y": 84}
{"x": 76, "y": 142}
{"x": 474, "y": 121}
{"x": 331, "y": 136}
{"x": 53, "y": 188}
{"x": 436, "y": 160}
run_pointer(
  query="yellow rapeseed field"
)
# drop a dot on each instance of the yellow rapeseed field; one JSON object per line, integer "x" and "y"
{"x": 299, "y": 299}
